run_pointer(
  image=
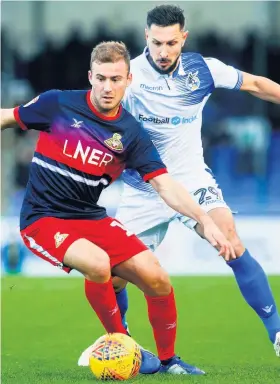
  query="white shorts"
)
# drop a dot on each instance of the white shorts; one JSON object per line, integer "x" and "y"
{"x": 148, "y": 216}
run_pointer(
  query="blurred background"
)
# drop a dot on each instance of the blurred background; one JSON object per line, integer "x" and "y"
{"x": 47, "y": 44}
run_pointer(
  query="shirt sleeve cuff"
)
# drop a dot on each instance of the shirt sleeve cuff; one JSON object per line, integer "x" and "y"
{"x": 239, "y": 80}
{"x": 151, "y": 175}
{"x": 18, "y": 120}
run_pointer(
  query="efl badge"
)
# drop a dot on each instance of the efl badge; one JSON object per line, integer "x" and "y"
{"x": 192, "y": 81}
{"x": 115, "y": 142}
{"x": 59, "y": 238}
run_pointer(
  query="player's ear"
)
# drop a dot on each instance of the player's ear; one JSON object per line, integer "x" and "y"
{"x": 146, "y": 33}
{"x": 185, "y": 36}
{"x": 90, "y": 77}
{"x": 129, "y": 79}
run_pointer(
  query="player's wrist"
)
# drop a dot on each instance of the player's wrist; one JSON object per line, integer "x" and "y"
{"x": 204, "y": 219}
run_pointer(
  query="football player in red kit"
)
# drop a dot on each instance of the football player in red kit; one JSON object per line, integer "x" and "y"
{"x": 86, "y": 140}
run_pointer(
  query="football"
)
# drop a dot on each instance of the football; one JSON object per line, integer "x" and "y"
{"x": 115, "y": 356}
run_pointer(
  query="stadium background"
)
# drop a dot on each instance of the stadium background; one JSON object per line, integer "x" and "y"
{"x": 47, "y": 322}
{"x": 47, "y": 45}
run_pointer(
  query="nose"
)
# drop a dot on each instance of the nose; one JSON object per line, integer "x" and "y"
{"x": 164, "y": 52}
{"x": 107, "y": 85}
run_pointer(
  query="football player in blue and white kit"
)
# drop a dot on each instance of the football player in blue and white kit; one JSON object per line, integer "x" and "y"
{"x": 167, "y": 95}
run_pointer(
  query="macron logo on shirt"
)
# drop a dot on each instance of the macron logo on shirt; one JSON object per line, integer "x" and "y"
{"x": 149, "y": 88}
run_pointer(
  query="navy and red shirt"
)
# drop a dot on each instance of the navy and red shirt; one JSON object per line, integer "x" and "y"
{"x": 79, "y": 153}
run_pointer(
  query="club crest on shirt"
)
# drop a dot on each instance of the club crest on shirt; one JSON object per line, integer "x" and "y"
{"x": 114, "y": 142}
{"x": 32, "y": 101}
{"x": 192, "y": 81}
{"x": 59, "y": 238}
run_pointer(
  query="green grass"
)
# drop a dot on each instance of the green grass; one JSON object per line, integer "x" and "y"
{"x": 46, "y": 323}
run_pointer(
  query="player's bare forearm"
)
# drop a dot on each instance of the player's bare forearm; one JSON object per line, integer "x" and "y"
{"x": 178, "y": 198}
{"x": 7, "y": 118}
{"x": 261, "y": 87}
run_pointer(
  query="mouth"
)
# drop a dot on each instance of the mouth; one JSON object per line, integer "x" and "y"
{"x": 163, "y": 63}
{"x": 107, "y": 98}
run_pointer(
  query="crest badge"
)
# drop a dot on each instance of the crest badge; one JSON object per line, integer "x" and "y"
{"x": 59, "y": 238}
{"x": 114, "y": 142}
{"x": 192, "y": 81}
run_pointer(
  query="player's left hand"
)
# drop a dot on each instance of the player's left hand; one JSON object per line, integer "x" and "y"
{"x": 216, "y": 238}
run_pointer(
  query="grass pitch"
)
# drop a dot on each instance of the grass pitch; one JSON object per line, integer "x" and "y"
{"x": 47, "y": 322}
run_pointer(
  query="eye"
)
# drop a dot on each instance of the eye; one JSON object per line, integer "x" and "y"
{"x": 172, "y": 43}
{"x": 157, "y": 43}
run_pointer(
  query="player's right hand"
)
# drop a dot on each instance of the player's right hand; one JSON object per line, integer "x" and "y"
{"x": 216, "y": 238}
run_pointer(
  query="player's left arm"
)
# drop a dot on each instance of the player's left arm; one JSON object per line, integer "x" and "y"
{"x": 261, "y": 87}
{"x": 7, "y": 118}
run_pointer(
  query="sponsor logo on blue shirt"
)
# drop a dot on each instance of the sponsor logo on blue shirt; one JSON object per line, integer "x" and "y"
{"x": 175, "y": 120}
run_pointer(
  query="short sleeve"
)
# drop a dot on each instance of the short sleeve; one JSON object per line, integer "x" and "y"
{"x": 127, "y": 99}
{"x": 224, "y": 76}
{"x": 38, "y": 114}
{"x": 144, "y": 157}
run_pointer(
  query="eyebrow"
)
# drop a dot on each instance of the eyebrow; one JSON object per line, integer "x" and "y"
{"x": 170, "y": 41}
{"x": 112, "y": 77}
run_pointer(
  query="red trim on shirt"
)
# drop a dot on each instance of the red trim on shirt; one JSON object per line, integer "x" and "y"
{"x": 18, "y": 120}
{"x": 151, "y": 175}
{"x": 100, "y": 115}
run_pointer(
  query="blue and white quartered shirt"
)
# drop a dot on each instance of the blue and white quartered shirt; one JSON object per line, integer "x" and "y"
{"x": 170, "y": 108}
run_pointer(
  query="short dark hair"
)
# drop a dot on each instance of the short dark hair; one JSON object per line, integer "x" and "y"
{"x": 165, "y": 15}
{"x": 110, "y": 52}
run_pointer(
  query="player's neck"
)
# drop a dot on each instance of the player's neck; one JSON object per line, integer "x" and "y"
{"x": 111, "y": 113}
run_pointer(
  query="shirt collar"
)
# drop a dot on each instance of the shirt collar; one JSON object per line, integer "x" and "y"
{"x": 179, "y": 70}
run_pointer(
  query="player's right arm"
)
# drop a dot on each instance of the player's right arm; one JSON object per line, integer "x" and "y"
{"x": 7, "y": 118}
{"x": 38, "y": 114}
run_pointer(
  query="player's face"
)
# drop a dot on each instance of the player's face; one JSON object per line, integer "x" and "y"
{"x": 165, "y": 45}
{"x": 109, "y": 82}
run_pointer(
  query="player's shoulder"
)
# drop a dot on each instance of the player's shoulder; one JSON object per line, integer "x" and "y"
{"x": 130, "y": 121}
{"x": 72, "y": 95}
{"x": 197, "y": 59}
{"x": 138, "y": 63}
{"x": 61, "y": 95}
{"x": 193, "y": 59}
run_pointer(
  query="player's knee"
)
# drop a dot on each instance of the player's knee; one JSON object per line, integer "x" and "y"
{"x": 232, "y": 236}
{"x": 159, "y": 284}
{"x": 99, "y": 271}
{"x": 118, "y": 284}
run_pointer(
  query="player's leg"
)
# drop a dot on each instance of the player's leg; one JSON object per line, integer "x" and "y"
{"x": 141, "y": 213}
{"x": 60, "y": 243}
{"x": 122, "y": 298}
{"x": 152, "y": 238}
{"x": 80, "y": 244}
{"x": 94, "y": 263}
{"x": 250, "y": 276}
{"x": 145, "y": 272}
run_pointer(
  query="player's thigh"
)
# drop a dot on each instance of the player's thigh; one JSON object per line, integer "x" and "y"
{"x": 152, "y": 238}
{"x": 62, "y": 243}
{"x": 89, "y": 259}
{"x": 145, "y": 271}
